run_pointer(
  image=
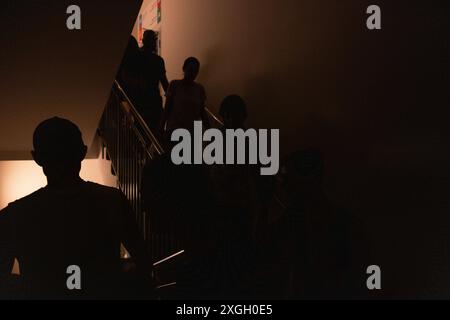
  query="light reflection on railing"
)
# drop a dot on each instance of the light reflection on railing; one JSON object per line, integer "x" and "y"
{"x": 214, "y": 117}
{"x": 168, "y": 258}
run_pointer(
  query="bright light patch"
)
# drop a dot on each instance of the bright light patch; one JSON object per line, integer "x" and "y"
{"x": 20, "y": 178}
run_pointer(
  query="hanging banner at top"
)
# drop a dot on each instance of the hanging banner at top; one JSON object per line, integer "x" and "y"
{"x": 150, "y": 18}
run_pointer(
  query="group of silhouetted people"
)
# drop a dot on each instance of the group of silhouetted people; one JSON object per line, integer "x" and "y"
{"x": 241, "y": 244}
{"x": 245, "y": 236}
{"x": 248, "y": 236}
{"x": 143, "y": 74}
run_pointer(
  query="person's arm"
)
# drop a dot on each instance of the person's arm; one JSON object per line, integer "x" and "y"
{"x": 6, "y": 242}
{"x": 164, "y": 80}
{"x": 165, "y": 83}
{"x": 168, "y": 107}
{"x": 204, "y": 113}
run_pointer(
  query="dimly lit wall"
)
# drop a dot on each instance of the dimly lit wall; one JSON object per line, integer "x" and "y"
{"x": 48, "y": 70}
{"x": 20, "y": 178}
{"x": 374, "y": 102}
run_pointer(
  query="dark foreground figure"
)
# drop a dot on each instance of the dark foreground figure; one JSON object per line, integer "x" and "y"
{"x": 70, "y": 222}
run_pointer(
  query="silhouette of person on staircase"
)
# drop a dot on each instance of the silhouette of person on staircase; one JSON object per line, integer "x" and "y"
{"x": 154, "y": 73}
{"x": 186, "y": 101}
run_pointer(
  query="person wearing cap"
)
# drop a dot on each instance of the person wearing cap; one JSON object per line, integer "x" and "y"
{"x": 70, "y": 222}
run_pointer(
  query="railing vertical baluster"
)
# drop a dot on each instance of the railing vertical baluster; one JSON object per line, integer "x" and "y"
{"x": 127, "y": 139}
{"x": 130, "y": 145}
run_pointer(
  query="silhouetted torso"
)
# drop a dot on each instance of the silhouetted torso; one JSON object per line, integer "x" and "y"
{"x": 130, "y": 73}
{"x": 189, "y": 101}
{"x": 52, "y": 229}
{"x": 153, "y": 72}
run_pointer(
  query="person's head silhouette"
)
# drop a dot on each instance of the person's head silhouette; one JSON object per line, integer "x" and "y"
{"x": 233, "y": 111}
{"x": 59, "y": 149}
{"x": 150, "y": 41}
{"x": 191, "y": 69}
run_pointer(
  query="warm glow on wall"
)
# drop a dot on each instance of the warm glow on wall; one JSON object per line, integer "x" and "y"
{"x": 20, "y": 178}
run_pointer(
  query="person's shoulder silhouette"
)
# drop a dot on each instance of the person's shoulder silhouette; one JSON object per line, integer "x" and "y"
{"x": 69, "y": 222}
